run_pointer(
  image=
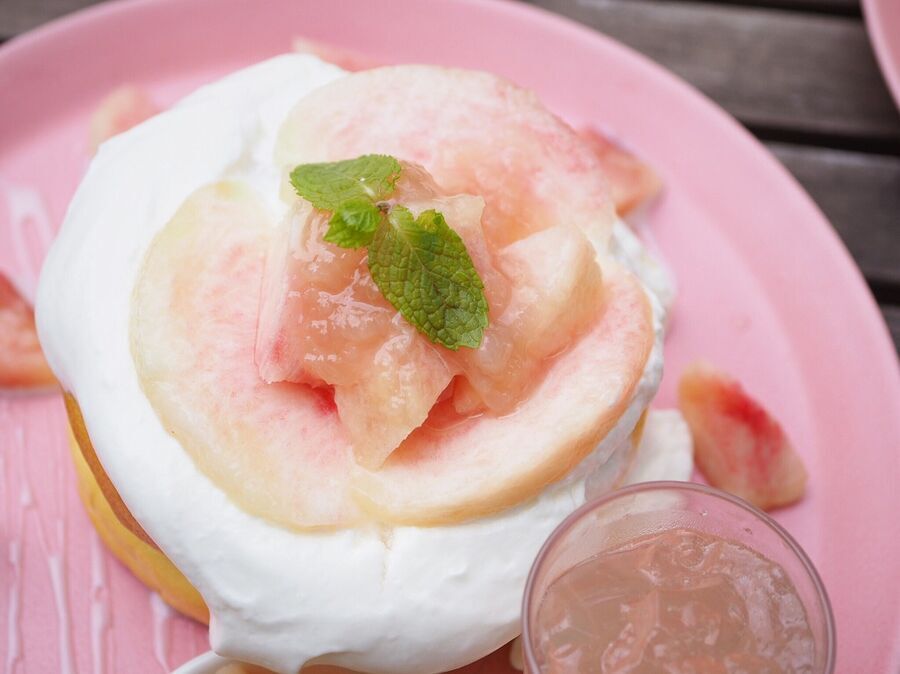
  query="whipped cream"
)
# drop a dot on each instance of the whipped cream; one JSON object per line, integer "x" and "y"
{"x": 403, "y": 600}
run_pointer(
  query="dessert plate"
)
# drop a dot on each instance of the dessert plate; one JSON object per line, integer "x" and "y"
{"x": 767, "y": 292}
{"x": 883, "y": 24}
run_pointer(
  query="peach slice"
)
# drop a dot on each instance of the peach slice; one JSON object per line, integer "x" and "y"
{"x": 342, "y": 58}
{"x": 122, "y": 109}
{"x": 488, "y": 463}
{"x": 631, "y": 181}
{"x": 278, "y": 450}
{"x": 22, "y": 364}
{"x": 555, "y": 293}
{"x": 737, "y": 444}
{"x": 475, "y": 133}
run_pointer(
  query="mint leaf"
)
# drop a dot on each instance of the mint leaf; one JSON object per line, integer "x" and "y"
{"x": 424, "y": 270}
{"x": 328, "y": 186}
{"x": 353, "y": 224}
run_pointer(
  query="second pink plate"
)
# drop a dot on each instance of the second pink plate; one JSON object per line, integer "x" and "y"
{"x": 883, "y": 24}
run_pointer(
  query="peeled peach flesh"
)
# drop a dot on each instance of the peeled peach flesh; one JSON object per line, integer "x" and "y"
{"x": 122, "y": 109}
{"x": 738, "y": 445}
{"x": 632, "y": 182}
{"x": 22, "y": 364}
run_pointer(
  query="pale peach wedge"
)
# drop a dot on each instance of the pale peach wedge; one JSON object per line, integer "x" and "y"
{"x": 347, "y": 59}
{"x": 555, "y": 293}
{"x": 22, "y": 364}
{"x": 122, "y": 109}
{"x": 279, "y": 450}
{"x": 738, "y": 445}
{"x": 632, "y": 182}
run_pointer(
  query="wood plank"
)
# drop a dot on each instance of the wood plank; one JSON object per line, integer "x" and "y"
{"x": 817, "y": 4}
{"x": 847, "y": 7}
{"x": 17, "y": 16}
{"x": 860, "y": 194}
{"x": 770, "y": 68}
{"x": 892, "y": 316}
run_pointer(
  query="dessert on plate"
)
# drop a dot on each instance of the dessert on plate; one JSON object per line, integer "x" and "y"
{"x": 340, "y": 350}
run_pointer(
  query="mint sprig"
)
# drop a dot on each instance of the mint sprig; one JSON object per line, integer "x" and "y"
{"x": 423, "y": 268}
{"x": 419, "y": 264}
{"x": 330, "y": 185}
{"x": 353, "y": 224}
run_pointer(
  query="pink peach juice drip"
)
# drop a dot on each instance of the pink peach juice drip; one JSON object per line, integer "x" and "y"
{"x": 677, "y": 602}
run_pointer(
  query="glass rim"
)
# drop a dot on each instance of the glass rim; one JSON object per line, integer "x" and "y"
{"x": 528, "y": 654}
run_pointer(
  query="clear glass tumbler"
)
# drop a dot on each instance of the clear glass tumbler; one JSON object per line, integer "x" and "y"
{"x": 654, "y": 507}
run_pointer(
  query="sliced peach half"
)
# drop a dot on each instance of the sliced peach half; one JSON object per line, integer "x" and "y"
{"x": 22, "y": 364}
{"x": 278, "y": 450}
{"x": 738, "y": 445}
{"x": 347, "y": 59}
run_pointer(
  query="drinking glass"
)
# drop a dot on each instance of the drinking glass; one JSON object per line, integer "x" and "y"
{"x": 654, "y": 507}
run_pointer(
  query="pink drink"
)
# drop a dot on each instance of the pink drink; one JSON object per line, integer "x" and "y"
{"x": 677, "y": 602}
{"x": 674, "y": 578}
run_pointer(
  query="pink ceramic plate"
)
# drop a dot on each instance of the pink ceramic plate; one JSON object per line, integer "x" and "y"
{"x": 767, "y": 291}
{"x": 883, "y": 23}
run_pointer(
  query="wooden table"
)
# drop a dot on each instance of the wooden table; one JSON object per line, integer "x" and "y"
{"x": 799, "y": 74}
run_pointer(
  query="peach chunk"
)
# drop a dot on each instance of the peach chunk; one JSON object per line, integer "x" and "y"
{"x": 631, "y": 181}
{"x": 555, "y": 295}
{"x": 122, "y": 109}
{"x": 347, "y": 59}
{"x": 737, "y": 444}
{"x": 22, "y": 364}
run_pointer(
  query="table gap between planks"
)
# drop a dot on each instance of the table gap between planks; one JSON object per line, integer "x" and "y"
{"x": 799, "y": 74}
